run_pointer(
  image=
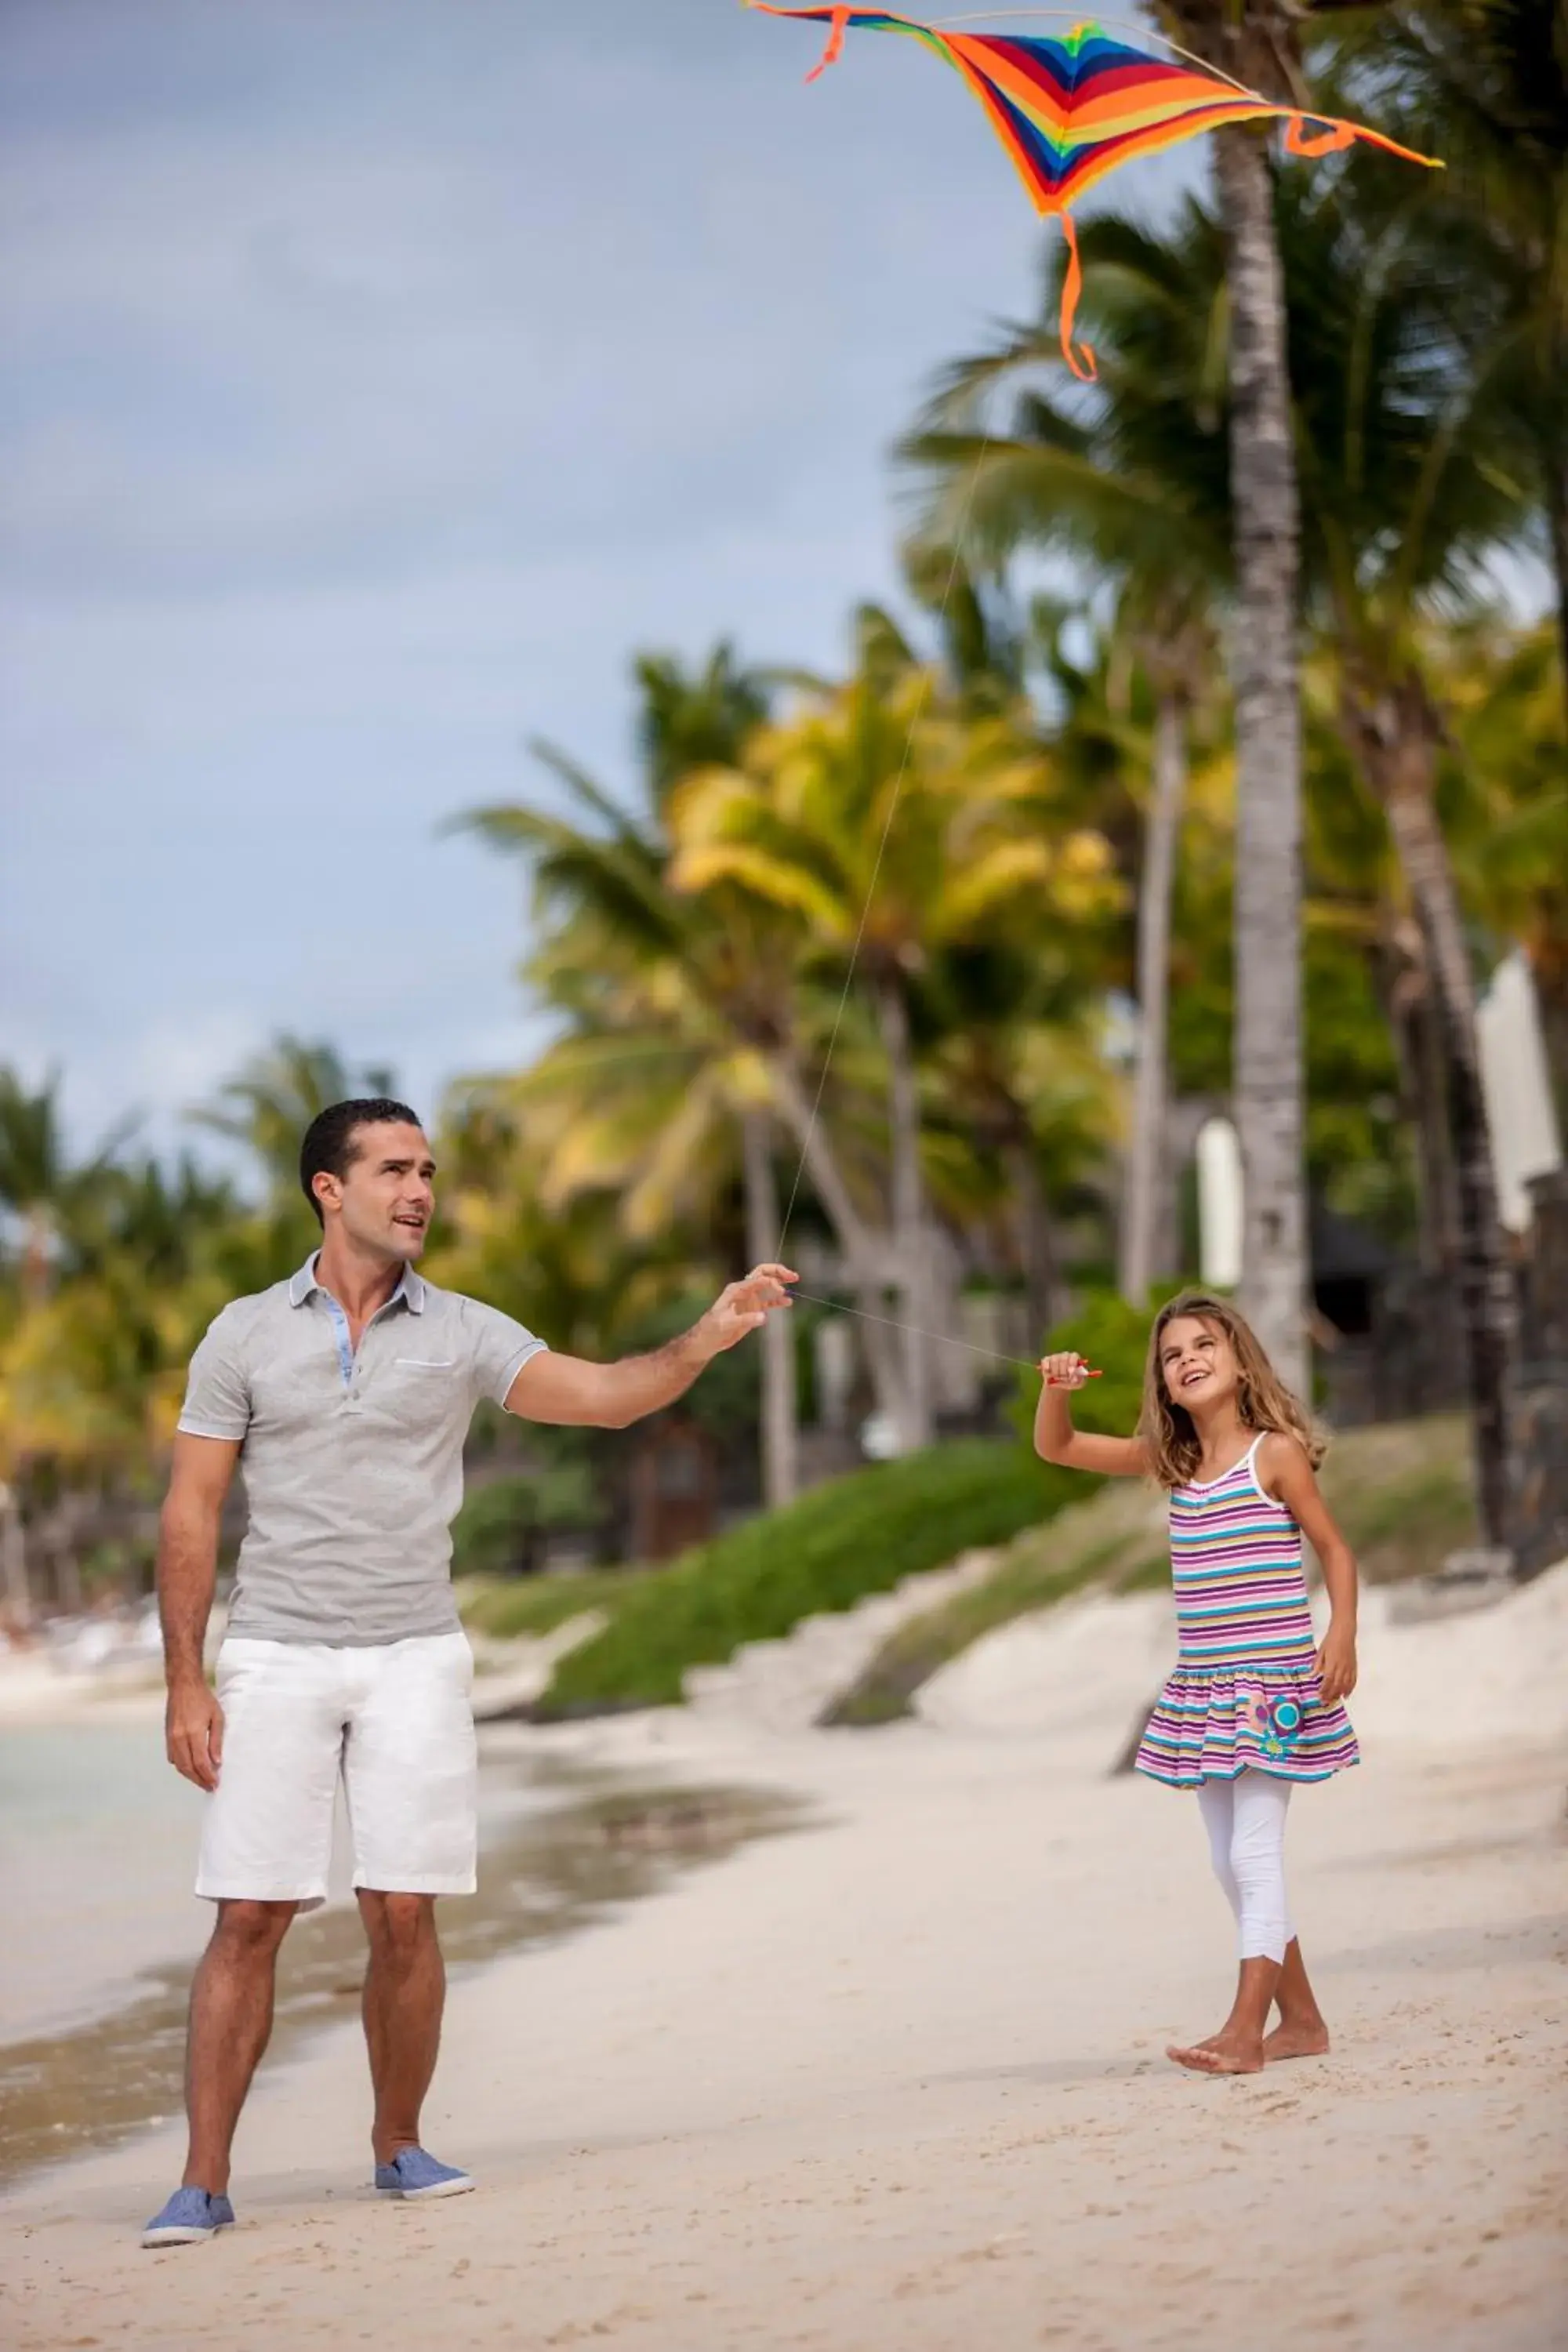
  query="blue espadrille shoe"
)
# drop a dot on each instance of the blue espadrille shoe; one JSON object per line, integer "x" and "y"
{"x": 414, "y": 2173}
{"x": 190, "y": 2217}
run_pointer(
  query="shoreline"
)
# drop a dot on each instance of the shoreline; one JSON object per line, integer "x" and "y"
{"x": 561, "y": 1846}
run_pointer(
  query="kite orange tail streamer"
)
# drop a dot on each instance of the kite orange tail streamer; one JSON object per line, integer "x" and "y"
{"x": 1336, "y": 134}
{"x": 1086, "y": 370}
{"x": 1326, "y": 142}
{"x": 834, "y": 50}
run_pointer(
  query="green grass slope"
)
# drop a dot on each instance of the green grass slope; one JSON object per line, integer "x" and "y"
{"x": 859, "y": 1535}
{"x": 508, "y": 1608}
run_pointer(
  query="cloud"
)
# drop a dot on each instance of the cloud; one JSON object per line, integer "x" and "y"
{"x": 374, "y": 379}
{"x": 564, "y": 303}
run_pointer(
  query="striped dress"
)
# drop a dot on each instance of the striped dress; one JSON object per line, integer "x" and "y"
{"x": 1245, "y": 1690}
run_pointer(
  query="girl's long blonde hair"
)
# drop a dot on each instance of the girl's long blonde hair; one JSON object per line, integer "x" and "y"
{"x": 1262, "y": 1398}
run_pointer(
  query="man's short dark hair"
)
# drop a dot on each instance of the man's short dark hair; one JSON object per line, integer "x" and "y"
{"x": 329, "y": 1146}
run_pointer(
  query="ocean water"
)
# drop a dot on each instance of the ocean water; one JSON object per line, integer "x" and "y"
{"x": 98, "y": 1854}
{"x": 98, "y": 1841}
{"x": 99, "y": 1929}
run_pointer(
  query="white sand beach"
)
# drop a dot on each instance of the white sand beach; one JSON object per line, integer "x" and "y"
{"x": 897, "y": 2079}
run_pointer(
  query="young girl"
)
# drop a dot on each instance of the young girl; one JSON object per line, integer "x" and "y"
{"x": 1254, "y": 1704}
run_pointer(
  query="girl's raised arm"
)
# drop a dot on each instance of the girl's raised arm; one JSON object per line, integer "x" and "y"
{"x": 1056, "y": 1439}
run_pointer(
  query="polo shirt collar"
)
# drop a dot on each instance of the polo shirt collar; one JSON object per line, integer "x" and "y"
{"x": 410, "y": 1288}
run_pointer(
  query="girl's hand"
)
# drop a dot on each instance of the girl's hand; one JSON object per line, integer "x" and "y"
{"x": 1066, "y": 1371}
{"x": 1336, "y": 1662}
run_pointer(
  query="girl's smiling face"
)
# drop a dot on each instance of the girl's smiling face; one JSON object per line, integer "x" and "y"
{"x": 1197, "y": 1363}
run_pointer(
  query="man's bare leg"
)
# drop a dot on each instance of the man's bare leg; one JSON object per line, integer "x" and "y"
{"x": 1237, "y": 2047}
{"x": 404, "y": 1993}
{"x": 231, "y": 2020}
{"x": 1302, "y": 2032}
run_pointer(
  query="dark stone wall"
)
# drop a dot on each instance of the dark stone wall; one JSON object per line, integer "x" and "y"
{"x": 1544, "y": 1401}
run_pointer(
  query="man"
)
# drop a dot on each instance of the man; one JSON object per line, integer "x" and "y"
{"x": 346, "y": 1393}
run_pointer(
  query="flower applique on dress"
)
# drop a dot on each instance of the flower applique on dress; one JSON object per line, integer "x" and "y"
{"x": 1282, "y": 1720}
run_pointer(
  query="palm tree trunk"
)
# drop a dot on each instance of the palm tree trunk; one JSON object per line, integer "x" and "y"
{"x": 1487, "y": 1298}
{"x": 1438, "y": 1181}
{"x": 863, "y": 1255}
{"x": 1407, "y": 998}
{"x": 1036, "y": 1250}
{"x": 1267, "y": 1082}
{"x": 14, "y": 1560}
{"x": 779, "y": 1450}
{"x": 1145, "y": 1161}
{"x": 38, "y": 1234}
{"x": 911, "y": 1239}
{"x": 1556, "y": 471}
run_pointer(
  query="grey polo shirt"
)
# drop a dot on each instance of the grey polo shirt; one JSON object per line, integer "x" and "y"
{"x": 352, "y": 1464}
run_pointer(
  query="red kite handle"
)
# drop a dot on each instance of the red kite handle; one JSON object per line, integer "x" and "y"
{"x": 1089, "y": 1372}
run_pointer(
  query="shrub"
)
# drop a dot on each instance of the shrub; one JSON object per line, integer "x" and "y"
{"x": 500, "y": 1522}
{"x": 861, "y": 1534}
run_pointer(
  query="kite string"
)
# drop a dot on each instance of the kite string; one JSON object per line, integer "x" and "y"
{"x": 915, "y": 718}
{"x": 892, "y": 1323}
{"x": 942, "y": 1338}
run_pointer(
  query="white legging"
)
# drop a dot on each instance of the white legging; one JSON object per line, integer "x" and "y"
{"x": 1245, "y": 1821}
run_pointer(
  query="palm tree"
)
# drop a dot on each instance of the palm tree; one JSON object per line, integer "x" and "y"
{"x": 1400, "y": 448}
{"x": 1254, "y": 41}
{"x": 1503, "y": 712}
{"x": 1404, "y": 454}
{"x": 1484, "y": 84}
{"x": 43, "y": 1188}
{"x": 271, "y": 1102}
{"x": 644, "y": 1098}
{"x": 1358, "y": 909}
{"x": 31, "y": 1171}
{"x": 41, "y": 1184}
{"x": 894, "y": 828}
{"x": 560, "y": 1263}
{"x": 1104, "y": 480}
{"x": 652, "y": 982}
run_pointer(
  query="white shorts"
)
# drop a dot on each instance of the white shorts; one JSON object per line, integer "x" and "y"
{"x": 394, "y": 1720}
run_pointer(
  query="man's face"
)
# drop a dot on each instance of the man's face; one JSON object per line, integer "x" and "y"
{"x": 386, "y": 1199}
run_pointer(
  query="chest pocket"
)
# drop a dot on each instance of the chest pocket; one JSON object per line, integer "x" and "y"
{"x": 419, "y": 1394}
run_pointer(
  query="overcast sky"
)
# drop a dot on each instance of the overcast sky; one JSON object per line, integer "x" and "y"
{"x": 375, "y": 376}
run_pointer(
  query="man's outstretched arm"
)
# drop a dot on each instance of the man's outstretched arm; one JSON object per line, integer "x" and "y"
{"x": 567, "y": 1390}
{"x": 187, "y": 1572}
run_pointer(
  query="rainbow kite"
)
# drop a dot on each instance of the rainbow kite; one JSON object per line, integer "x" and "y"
{"x": 1069, "y": 110}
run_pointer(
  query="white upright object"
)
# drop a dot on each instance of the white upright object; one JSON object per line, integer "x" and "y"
{"x": 834, "y": 1371}
{"x": 1515, "y": 1079}
{"x": 1219, "y": 1204}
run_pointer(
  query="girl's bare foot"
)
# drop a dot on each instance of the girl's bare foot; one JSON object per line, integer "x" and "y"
{"x": 1222, "y": 2053}
{"x": 1296, "y": 2037}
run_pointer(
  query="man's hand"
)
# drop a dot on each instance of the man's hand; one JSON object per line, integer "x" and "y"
{"x": 193, "y": 1733}
{"x": 1336, "y": 1662}
{"x": 745, "y": 1306}
{"x": 573, "y": 1394}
